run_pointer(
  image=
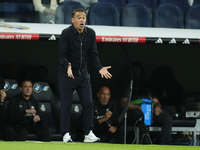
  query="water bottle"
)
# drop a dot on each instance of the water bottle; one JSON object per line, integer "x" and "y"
{"x": 32, "y": 107}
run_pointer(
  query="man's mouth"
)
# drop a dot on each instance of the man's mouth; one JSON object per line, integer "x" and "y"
{"x": 81, "y": 24}
{"x": 104, "y": 101}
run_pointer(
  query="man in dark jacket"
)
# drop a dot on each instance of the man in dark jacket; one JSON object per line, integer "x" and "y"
{"x": 106, "y": 123}
{"x": 5, "y": 128}
{"x": 25, "y": 115}
{"x": 141, "y": 90}
{"x": 76, "y": 43}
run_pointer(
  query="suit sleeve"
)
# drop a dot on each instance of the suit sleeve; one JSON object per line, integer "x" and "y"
{"x": 97, "y": 126}
{"x": 63, "y": 48}
{"x": 37, "y": 109}
{"x": 3, "y": 113}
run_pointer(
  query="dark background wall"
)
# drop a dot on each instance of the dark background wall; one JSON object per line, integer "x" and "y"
{"x": 183, "y": 59}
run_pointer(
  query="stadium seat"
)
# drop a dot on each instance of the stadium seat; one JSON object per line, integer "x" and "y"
{"x": 148, "y": 3}
{"x": 136, "y": 15}
{"x": 11, "y": 88}
{"x": 192, "y": 18}
{"x": 27, "y": 11}
{"x": 168, "y": 16}
{"x": 11, "y": 12}
{"x": 168, "y": 90}
{"x": 64, "y": 11}
{"x": 76, "y": 118}
{"x": 12, "y": 1}
{"x": 49, "y": 105}
{"x": 196, "y": 3}
{"x": 77, "y": 108}
{"x": 103, "y": 13}
{"x": 183, "y": 5}
{"x": 1, "y": 11}
{"x": 117, "y": 3}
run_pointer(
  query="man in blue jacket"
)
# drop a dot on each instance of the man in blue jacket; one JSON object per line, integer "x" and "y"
{"x": 78, "y": 42}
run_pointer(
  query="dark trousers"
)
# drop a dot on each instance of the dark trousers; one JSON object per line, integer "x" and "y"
{"x": 40, "y": 131}
{"x": 164, "y": 120}
{"x": 8, "y": 132}
{"x": 109, "y": 137}
{"x": 66, "y": 88}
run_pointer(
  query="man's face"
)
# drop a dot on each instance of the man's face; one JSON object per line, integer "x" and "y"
{"x": 79, "y": 21}
{"x": 104, "y": 95}
{"x": 26, "y": 89}
{"x": 136, "y": 72}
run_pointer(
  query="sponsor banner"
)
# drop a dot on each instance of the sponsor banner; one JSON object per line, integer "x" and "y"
{"x": 18, "y": 36}
{"x": 120, "y": 39}
{"x": 173, "y": 41}
{"x": 106, "y": 39}
{"x": 131, "y": 39}
{"x": 49, "y": 37}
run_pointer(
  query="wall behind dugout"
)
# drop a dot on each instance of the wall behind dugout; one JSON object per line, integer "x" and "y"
{"x": 183, "y": 59}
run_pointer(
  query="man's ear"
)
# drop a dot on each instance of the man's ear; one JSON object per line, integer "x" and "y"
{"x": 72, "y": 20}
{"x": 20, "y": 89}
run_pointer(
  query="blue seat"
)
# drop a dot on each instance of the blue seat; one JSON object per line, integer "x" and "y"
{"x": 183, "y": 5}
{"x": 117, "y": 3}
{"x": 64, "y": 11}
{"x": 11, "y": 12}
{"x": 2, "y": 10}
{"x": 168, "y": 16}
{"x": 12, "y": 1}
{"x": 27, "y": 13}
{"x": 136, "y": 15}
{"x": 196, "y": 2}
{"x": 148, "y": 3}
{"x": 192, "y": 18}
{"x": 103, "y": 13}
{"x": 18, "y": 11}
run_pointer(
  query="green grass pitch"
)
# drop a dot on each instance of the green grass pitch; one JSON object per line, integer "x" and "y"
{"x": 86, "y": 146}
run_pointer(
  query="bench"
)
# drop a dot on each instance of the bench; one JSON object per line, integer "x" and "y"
{"x": 183, "y": 125}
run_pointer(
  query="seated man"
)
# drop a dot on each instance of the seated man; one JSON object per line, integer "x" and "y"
{"x": 168, "y": 90}
{"x": 25, "y": 114}
{"x": 5, "y": 128}
{"x": 142, "y": 90}
{"x": 46, "y": 9}
{"x": 106, "y": 124}
{"x": 86, "y": 3}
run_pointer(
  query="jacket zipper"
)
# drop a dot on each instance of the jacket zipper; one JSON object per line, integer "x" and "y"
{"x": 81, "y": 52}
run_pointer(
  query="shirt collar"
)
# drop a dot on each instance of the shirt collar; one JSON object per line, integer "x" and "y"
{"x": 24, "y": 98}
{"x": 75, "y": 31}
